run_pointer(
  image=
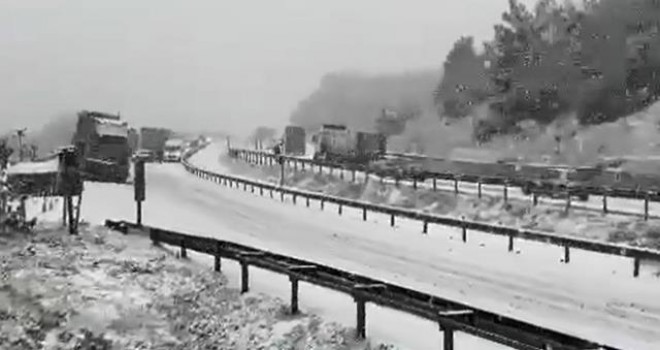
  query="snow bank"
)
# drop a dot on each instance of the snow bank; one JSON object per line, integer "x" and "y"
{"x": 517, "y": 212}
{"x": 104, "y": 290}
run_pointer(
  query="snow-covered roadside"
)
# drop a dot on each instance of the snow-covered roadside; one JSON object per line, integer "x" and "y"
{"x": 118, "y": 292}
{"x": 491, "y": 209}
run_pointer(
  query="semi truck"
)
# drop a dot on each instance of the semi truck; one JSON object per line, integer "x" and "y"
{"x": 337, "y": 143}
{"x": 133, "y": 140}
{"x": 294, "y": 141}
{"x": 173, "y": 150}
{"x": 102, "y": 147}
{"x": 153, "y": 140}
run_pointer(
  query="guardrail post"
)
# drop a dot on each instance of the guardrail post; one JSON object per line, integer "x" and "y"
{"x": 455, "y": 186}
{"x": 244, "y": 186}
{"x": 261, "y": 191}
{"x": 506, "y": 192}
{"x": 353, "y": 175}
{"x": 646, "y": 207}
{"x": 184, "y": 252}
{"x": 414, "y": 184}
{"x": 392, "y": 220}
{"x": 435, "y": 184}
{"x": 293, "y": 198}
{"x": 341, "y": 174}
{"x": 568, "y": 201}
{"x": 302, "y": 166}
{"x": 282, "y": 196}
{"x": 535, "y": 199}
{"x": 567, "y": 254}
{"x": 605, "y": 202}
{"x": 295, "y": 166}
{"x": 245, "y": 276}
{"x": 464, "y": 229}
{"x": 322, "y": 203}
{"x": 307, "y": 201}
{"x": 271, "y": 193}
{"x": 218, "y": 261}
{"x": 364, "y": 214}
{"x": 252, "y": 188}
{"x": 361, "y": 331}
{"x": 425, "y": 227}
{"x": 636, "y": 264}
{"x": 294, "y": 295}
{"x": 479, "y": 189}
{"x": 339, "y": 209}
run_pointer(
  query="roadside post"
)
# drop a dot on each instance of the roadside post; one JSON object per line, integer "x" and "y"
{"x": 139, "y": 188}
{"x": 70, "y": 184}
{"x": 280, "y": 159}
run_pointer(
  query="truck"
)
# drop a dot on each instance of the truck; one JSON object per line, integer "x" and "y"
{"x": 102, "y": 147}
{"x": 339, "y": 144}
{"x": 173, "y": 150}
{"x": 153, "y": 140}
{"x": 554, "y": 181}
{"x": 133, "y": 140}
{"x": 294, "y": 141}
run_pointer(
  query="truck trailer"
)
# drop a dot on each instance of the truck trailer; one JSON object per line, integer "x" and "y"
{"x": 133, "y": 140}
{"x": 339, "y": 144}
{"x": 295, "y": 141}
{"x": 102, "y": 147}
{"x": 153, "y": 140}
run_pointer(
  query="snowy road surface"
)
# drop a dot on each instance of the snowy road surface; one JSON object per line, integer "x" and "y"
{"x": 594, "y": 296}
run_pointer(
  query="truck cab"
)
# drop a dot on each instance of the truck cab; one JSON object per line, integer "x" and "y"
{"x": 173, "y": 150}
{"x": 554, "y": 181}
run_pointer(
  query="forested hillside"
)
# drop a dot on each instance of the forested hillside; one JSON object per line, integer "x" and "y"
{"x": 358, "y": 100}
{"x": 595, "y": 62}
{"x": 546, "y": 78}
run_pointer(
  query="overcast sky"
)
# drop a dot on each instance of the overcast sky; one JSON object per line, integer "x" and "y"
{"x": 211, "y": 63}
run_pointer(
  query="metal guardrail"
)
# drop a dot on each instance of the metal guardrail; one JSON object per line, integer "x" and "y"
{"x": 626, "y": 193}
{"x": 567, "y": 242}
{"x": 451, "y": 316}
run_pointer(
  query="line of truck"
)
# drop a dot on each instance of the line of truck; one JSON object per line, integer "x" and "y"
{"x": 105, "y": 145}
{"x": 334, "y": 142}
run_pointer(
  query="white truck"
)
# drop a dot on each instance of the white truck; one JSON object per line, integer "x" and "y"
{"x": 173, "y": 150}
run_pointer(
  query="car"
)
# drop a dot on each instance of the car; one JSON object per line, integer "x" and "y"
{"x": 145, "y": 154}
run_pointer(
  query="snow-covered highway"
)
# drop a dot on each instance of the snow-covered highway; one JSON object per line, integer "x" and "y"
{"x": 594, "y": 297}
